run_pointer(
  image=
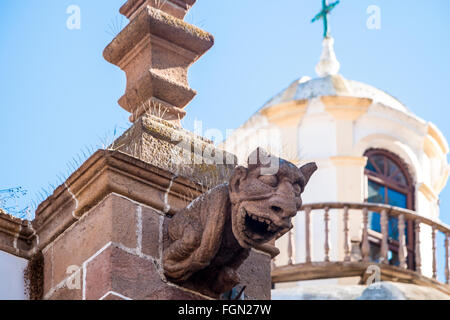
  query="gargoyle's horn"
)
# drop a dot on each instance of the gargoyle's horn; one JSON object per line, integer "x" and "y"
{"x": 308, "y": 170}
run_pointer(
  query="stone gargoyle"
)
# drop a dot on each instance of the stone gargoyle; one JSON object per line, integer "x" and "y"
{"x": 213, "y": 236}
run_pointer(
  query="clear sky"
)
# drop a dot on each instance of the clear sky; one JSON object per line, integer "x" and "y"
{"x": 58, "y": 94}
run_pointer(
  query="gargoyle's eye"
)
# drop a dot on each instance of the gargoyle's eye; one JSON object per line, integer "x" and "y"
{"x": 297, "y": 188}
{"x": 269, "y": 180}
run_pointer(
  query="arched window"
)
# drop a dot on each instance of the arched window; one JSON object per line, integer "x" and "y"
{"x": 389, "y": 183}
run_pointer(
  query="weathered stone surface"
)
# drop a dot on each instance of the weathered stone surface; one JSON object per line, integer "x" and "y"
{"x": 170, "y": 292}
{"x": 176, "y": 8}
{"x": 255, "y": 276}
{"x": 54, "y": 215}
{"x": 151, "y": 221}
{"x": 155, "y": 50}
{"x": 119, "y": 271}
{"x": 67, "y": 294}
{"x": 104, "y": 173}
{"x": 15, "y": 235}
{"x": 114, "y": 219}
{"x": 214, "y": 235}
{"x": 48, "y": 269}
{"x": 71, "y": 289}
{"x": 178, "y": 151}
{"x": 7, "y": 243}
{"x": 113, "y": 296}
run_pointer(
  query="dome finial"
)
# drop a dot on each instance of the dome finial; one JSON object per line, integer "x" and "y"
{"x": 328, "y": 64}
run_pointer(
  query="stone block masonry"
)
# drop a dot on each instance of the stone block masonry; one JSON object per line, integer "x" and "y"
{"x": 102, "y": 256}
{"x": 114, "y": 252}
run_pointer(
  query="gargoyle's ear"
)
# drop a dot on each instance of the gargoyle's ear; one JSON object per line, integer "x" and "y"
{"x": 237, "y": 176}
{"x": 308, "y": 170}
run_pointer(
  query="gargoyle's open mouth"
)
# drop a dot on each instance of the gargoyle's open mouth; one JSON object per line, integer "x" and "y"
{"x": 259, "y": 228}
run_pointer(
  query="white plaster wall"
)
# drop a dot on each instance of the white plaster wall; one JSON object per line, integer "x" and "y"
{"x": 11, "y": 277}
{"x": 317, "y": 137}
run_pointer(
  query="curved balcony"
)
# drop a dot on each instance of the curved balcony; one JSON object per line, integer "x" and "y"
{"x": 355, "y": 257}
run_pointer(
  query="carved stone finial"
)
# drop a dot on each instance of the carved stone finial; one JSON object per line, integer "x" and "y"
{"x": 213, "y": 236}
{"x": 155, "y": 50}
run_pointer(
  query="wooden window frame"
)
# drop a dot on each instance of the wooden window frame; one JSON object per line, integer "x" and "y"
{"x": 408, "y": 190}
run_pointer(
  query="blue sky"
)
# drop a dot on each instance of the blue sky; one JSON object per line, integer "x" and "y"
{"x": 58, "y": 94}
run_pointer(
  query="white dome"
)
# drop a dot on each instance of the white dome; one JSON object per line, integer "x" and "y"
{"x": 334, "y": 85}
{"x": 330, "y": 83}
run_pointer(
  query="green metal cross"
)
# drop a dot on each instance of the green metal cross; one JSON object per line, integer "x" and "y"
{"x": 326, "y": 10}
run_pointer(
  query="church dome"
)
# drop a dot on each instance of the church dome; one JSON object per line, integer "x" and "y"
{"x": 331, "y": 83}
{"x": 334, "y": 85}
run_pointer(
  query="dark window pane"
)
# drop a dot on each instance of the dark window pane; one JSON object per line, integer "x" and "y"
{"x": 376, "y": 193}
{"x": 400, "y": 179}
{"x": 375, "y": 225}
{"x": 391, "y": 168}
{"x": 370, "y": 166}
{"x": 397, "y": 199}
{"x": 379, "y": 161}
{"x": 374, "y": 221}
{"x": 393, "y": 228}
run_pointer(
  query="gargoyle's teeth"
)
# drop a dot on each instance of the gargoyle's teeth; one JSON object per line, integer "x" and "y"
{"x": 259, "y": 226}
{"x": 264, "y": 220}
{"x": 260, "y": 219}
